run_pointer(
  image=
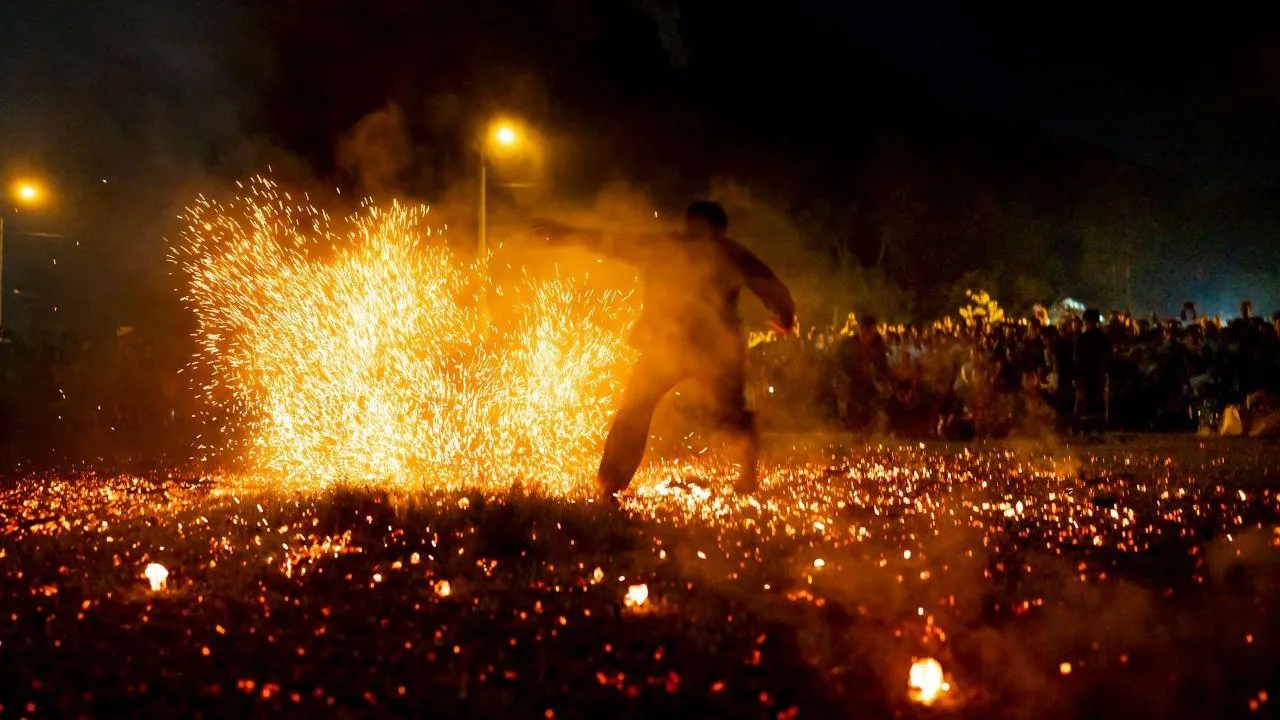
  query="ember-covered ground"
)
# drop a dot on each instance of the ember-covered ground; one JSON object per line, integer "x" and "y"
{"x": 1134, "y": 578}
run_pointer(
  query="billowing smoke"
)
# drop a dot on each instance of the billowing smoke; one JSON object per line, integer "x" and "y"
{"x": 377, "y": 152}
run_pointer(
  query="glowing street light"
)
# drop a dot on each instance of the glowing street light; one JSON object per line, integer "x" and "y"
{"x": 27, "y": 193}
{"x": 503, "y": 136}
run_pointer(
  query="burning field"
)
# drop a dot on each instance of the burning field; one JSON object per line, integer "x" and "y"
{"x": 1133, "y": 580}
{"x": 401, "y": 529}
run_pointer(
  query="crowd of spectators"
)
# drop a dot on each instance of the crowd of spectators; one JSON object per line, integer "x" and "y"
{"x": 983, "y": 375}
{"x": 990, "y": 376}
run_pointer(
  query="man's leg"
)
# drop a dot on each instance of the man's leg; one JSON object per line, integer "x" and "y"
{"x": 650, "y": 380}
{"x": 732, "y": 416}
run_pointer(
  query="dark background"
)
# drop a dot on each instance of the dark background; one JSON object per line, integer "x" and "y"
{"x": 891, "y": 157}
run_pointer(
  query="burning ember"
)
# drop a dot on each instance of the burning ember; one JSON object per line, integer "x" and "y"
{"x": 443, "y": 589}
{"x": 637, "y": 596}
{"x": 926, "y": 681}
{"x": 532, "y": 591}
{"x": 358, "y": 350}
{"x": 157, "y": 575}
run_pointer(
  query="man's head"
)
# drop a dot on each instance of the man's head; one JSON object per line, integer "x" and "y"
{"x": 705, "y": 220}
{"x": 1092, "y": 318}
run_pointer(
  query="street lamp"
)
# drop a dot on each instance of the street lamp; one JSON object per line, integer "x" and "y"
{"x": 503, "y": 136}
{"x": 27, "y": 192}
{"x": 24, "y": 192}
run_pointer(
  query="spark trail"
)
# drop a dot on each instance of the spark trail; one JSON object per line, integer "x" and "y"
{"x": 355, "y": 351}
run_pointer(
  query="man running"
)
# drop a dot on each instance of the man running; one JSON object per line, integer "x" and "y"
{"x": 689, "y": 328}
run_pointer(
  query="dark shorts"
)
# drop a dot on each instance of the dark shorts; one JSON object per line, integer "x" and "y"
{"x": 723, "y": 375}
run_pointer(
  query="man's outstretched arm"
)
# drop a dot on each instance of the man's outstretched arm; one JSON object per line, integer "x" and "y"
{"x": 766, "y": 285}
{"x": 623, "y": 246}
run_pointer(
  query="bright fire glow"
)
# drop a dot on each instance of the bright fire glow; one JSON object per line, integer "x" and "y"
{"x": 505, "y": 135}
{"x": 443, "y": 589}
{"x": 355, "y": 351}
{"x": 926, "y": 681}
{"x": 637, "y": 595}
{"x": 157, "y": 575}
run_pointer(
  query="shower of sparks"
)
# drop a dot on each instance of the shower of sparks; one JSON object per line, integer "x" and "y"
{"x": 358, "y": 351}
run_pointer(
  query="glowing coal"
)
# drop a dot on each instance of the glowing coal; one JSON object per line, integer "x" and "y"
{"x": 157, "y": 575}
{"x": 926, "y": 681}
{"x": 637, "y": 596}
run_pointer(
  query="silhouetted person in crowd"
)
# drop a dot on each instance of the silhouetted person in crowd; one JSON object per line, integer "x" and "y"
{"x": 689, "y": 328}
{"x": 1064, "y": 367}
{"x": 862, "y": 363}
{"x": 1188, "y": 312}
{"x": 1093, "y": 367}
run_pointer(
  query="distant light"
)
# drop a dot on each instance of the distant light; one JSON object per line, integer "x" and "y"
{"x": 505, "y": 135}
{"x": 27, "y": 192}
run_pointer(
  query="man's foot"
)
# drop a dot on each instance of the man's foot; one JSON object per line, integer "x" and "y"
{"x": 607, "y": 492}
{"x": 607, "y": 498}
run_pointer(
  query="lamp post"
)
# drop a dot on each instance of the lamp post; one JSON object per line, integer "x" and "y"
{"x": 27, "y": 193}
{"x": 504, "y": 136}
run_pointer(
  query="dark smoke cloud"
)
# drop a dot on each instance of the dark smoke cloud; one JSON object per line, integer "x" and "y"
{"x": 377, "y": 151}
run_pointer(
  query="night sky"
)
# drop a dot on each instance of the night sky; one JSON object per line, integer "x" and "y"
{"x": 794, "y": 98}
{"x": 1196, "y": 90}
